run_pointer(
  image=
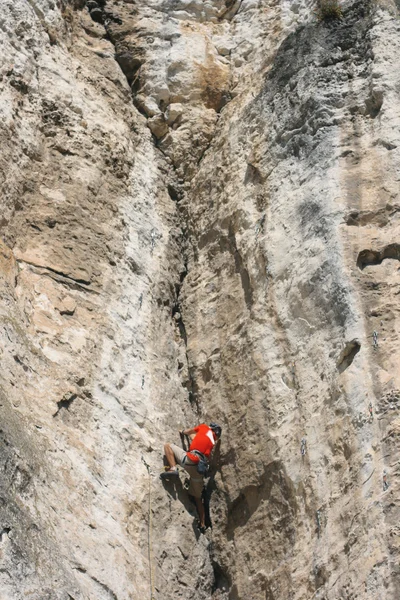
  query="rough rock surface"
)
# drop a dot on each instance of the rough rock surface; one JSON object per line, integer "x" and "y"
{"x": 200, "y": 210}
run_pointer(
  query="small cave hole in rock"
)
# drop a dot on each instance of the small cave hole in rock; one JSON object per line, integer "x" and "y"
{"x": 375, "y": 257}
{"x": 373, "y": 104}
{"x": 173, "y": 193}
{"x": 347, "y": 355}
{"x": 19, "y": 362}
{"x": 221, "y": 581}
{"x": 3, "y": 532}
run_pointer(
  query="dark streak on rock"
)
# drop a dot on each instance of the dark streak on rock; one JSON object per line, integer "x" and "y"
{"x": 65, "y": 403}
{"x": 19, "y": 362}
{"x": 79, "y": 281}
{"x": 105, "y": 587}
{"x": 241, "y": 268}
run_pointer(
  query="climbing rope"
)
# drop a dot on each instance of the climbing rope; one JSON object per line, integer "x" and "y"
{"x": 149, "y": 535}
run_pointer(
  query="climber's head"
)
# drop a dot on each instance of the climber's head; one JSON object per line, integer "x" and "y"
{"x": 217, "y": 429}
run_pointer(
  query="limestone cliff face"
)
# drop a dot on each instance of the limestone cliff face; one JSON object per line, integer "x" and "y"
{"x": 200, "y": 220}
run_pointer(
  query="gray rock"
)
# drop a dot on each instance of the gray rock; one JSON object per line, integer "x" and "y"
{"x": 199, "y": 222}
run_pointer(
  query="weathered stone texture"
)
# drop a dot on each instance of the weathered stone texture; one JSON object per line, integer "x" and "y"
{"x": 200, "y": 220}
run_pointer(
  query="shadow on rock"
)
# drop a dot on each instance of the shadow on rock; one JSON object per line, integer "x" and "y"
{"x": 175, "y": 488}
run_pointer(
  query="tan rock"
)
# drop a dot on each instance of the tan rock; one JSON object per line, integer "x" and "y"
{"x": 173, "y": 112}
{"x": 241, "y": 267}
{"x": 158, "y": 126}
{"x": 67, "y": 306}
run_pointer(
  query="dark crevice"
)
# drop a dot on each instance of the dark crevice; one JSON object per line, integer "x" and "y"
{"x": 130, "y": 65}
{"x": 211, "y": 487}
{"x": 177, "y": 315}
{"x": 374, "y": 103}
{"x": 380, "y": 217}
{"x": 375, "y": 257}
{"x": 3, "y": 532}
{"x": 105, "y": 587}
{"x": 134, "y": 266}
{"x": 19, "y": 362}
{"x": 129, "y": 62}
{"x": 388, "y": 145}
{"x": 252, "y": 175}
{"x": 174, "y": 193}
{"x": 190, "y": 384}
{"x": 204, "y": 151}
{"x": 65, "y": 403}
{"x": 193, "y": 389}
{"x": 348, "y": 354}
{"x": 63, "y": 275}
{"x": 80, "y": 569}
{"x": 64, "y": 151}
{"x": 222, "y": 580}
{"x": 230, "y": 11}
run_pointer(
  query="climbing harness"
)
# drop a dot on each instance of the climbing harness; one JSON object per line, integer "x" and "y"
{"x": 202, "y": 466}
{"x": 149, "y": 535}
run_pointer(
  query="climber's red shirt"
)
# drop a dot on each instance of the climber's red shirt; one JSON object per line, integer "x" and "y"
{"x": 203, "y": 441}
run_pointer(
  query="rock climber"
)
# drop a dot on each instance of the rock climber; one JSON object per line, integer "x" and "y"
{"x": 203, "y": 439}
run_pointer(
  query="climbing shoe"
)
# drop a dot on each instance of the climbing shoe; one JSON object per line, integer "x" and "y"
{"x": 201, "y": 528}
{"x": 169, "y": 474}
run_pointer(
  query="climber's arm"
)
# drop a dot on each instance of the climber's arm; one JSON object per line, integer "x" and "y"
{"x": 189, "y": 431}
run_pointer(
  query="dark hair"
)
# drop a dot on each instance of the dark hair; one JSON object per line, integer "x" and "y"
{"x": 217, "y": 429}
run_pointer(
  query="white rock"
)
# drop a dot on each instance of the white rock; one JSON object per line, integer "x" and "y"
{"x": 210, "y": 269}
{"x": 148, "y": 105}
{"x": 173, "y": 112}
{"x": 158, "y": 126}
